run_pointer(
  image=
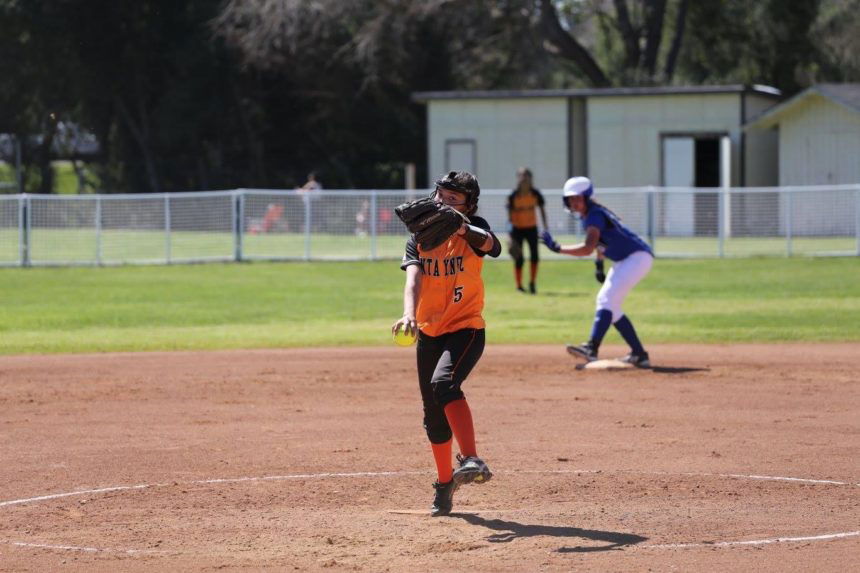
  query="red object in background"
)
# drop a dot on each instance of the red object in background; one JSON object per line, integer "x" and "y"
{"x": 273, "y": 214}
{"x": 270, "y": 218}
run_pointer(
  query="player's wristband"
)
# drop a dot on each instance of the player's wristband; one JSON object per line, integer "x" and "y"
{"x": 476, "y": 236}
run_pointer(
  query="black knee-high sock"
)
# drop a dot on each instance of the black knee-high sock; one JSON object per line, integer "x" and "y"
{"x": 628, "y": 333}
{"x": 602, "y": 321}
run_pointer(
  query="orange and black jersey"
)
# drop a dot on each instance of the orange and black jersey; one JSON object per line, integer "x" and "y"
{"x": 522, "y": 208}
{"x": 452, "y": 290}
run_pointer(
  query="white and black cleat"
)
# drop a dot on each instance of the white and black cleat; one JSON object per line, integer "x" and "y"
{"x": 472, "y": 470}
{"x": 585, "y": 351}
{"x": 638, "y": 360}
{"x": 443, "y": 501}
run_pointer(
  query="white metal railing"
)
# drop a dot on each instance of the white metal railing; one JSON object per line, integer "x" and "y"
{"x": 272, "y": 224}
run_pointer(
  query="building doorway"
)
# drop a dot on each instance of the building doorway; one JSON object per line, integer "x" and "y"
{"x": 691, "y": 160}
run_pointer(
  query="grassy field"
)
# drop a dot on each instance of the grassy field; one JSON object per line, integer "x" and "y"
{"x": 259, "y": 305}
{"x": 65, "y": 178}
{"x": 79, "y": 246}
{"x": 8, "y": 182}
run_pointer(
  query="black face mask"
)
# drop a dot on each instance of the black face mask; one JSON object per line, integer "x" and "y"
{"x": 449, "y": 182}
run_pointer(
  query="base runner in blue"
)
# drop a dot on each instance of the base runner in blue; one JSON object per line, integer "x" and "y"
{"x": 632, "y": 259}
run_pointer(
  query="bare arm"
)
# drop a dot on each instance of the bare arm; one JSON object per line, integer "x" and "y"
{"x": 543, "y": 217}
{"x": 592, "y": 236}
{"x": 411, "y": 295}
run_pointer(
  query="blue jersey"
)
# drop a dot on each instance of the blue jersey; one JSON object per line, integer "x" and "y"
{"x": 617, "y": 240}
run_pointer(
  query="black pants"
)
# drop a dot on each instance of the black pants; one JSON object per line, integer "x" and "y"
{"x": 444, "y": 362}
{"x": 530, "y": 235}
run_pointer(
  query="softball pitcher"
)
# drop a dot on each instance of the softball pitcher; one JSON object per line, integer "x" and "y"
{"x": 632, "y": 259}
{"x": 442, "y": 304}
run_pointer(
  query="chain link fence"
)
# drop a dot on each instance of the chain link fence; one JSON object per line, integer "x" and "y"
{"x": 265, "y": 224}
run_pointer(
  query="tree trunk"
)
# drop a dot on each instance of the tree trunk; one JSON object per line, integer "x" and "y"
{"x": 568, "y": 47}
{"x": 140, "y": 134}
{"x": 254, "y": 141}
{"x": 656, "y": 10}
{"x": 43, "y": 157}
{"x": 628, "y": 34}
{"x": 675, "y": 49}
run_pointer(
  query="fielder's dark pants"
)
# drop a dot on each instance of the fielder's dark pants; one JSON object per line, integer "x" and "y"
{"x": 444, "y": 362}
{"x": 531, "y": 236}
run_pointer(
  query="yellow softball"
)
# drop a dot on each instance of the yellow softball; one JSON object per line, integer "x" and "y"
{"x": 403, "y": 339}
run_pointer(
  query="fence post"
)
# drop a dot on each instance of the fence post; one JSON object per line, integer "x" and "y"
{"x": 857, "y": 219}
{"x": 652, "y": 222}
{"x": 307, "y": 200}
{"x": 789, "y": 215}
{"x": 24, "y": 230}
{"x": 726, "y": 183}
{"x": 167, "y": 253}
{"x": 373, "y": 225}
{"x": 238, "y": 228}
{"x": 19, "y": 176}
{"x": 98, "y": 230}
{"x": 721, "y": 230}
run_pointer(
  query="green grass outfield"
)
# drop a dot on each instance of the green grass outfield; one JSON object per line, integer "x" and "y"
{"x": 79, "y": 246}
{"x": 266, "y": 305}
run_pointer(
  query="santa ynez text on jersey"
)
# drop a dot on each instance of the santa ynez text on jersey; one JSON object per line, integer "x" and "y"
{"x": 450, "y": 266}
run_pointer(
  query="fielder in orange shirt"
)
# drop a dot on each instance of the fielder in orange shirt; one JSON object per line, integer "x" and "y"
{"x": 522, "y": 204}
{"x": 442, "y": 303}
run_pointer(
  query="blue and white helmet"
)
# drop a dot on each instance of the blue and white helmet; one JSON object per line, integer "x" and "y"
{"x": 577, "y": 186}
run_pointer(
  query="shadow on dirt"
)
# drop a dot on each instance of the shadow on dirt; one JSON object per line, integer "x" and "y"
{"x": 677, "y": 369}
{"x": 510, "y": 530}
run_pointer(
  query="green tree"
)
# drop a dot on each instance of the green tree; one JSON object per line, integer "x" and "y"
{"x": 158, "y": 93}
{"x": 348, "y": 71}
{"x": 225, "y": 93}
{"x": 631, "y": 43}
{"x": 769, "y": 42}
{"x": 37, "y": 90}
{"x": 836, "y": 34}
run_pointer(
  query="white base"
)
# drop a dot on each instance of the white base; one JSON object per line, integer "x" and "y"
{"x": 609, "y": 364}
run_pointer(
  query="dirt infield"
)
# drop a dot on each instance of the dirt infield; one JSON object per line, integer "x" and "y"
{"x": 316, "y": 459}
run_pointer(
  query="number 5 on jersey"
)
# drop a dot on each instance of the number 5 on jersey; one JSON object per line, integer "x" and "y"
{"x": 458, "y": 294}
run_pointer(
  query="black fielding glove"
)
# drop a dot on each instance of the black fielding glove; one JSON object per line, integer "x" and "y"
{"x": 432, "y": 223}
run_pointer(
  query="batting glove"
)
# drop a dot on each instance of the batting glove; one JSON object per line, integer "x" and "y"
{"x": 598, "y": 271}
{"x": 550, "y": 243}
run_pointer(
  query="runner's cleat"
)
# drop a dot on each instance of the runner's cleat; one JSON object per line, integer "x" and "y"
{"x": 472, "y": 470}
{"x": 585, "y": 351}
{"x": 638, "y": 360}
{"x": 443, "y": 502}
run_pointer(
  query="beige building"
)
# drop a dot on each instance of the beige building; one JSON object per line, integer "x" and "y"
{"x": 620, "y": 137}
{"x": 818, "y": 133}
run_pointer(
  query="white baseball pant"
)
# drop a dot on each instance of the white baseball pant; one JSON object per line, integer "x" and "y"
{"x": 622, "y": 277}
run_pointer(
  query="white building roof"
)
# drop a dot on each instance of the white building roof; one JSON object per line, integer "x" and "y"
{"x": 846, "y": 95}
{"x": 596, "y": 92}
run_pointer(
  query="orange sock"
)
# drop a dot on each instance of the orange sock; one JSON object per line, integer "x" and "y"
{"x": 518, "y": 274}
{"x": 533, "y": 271}
{"x": 460, "y": 419}
{"x": 442, "y": 455}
